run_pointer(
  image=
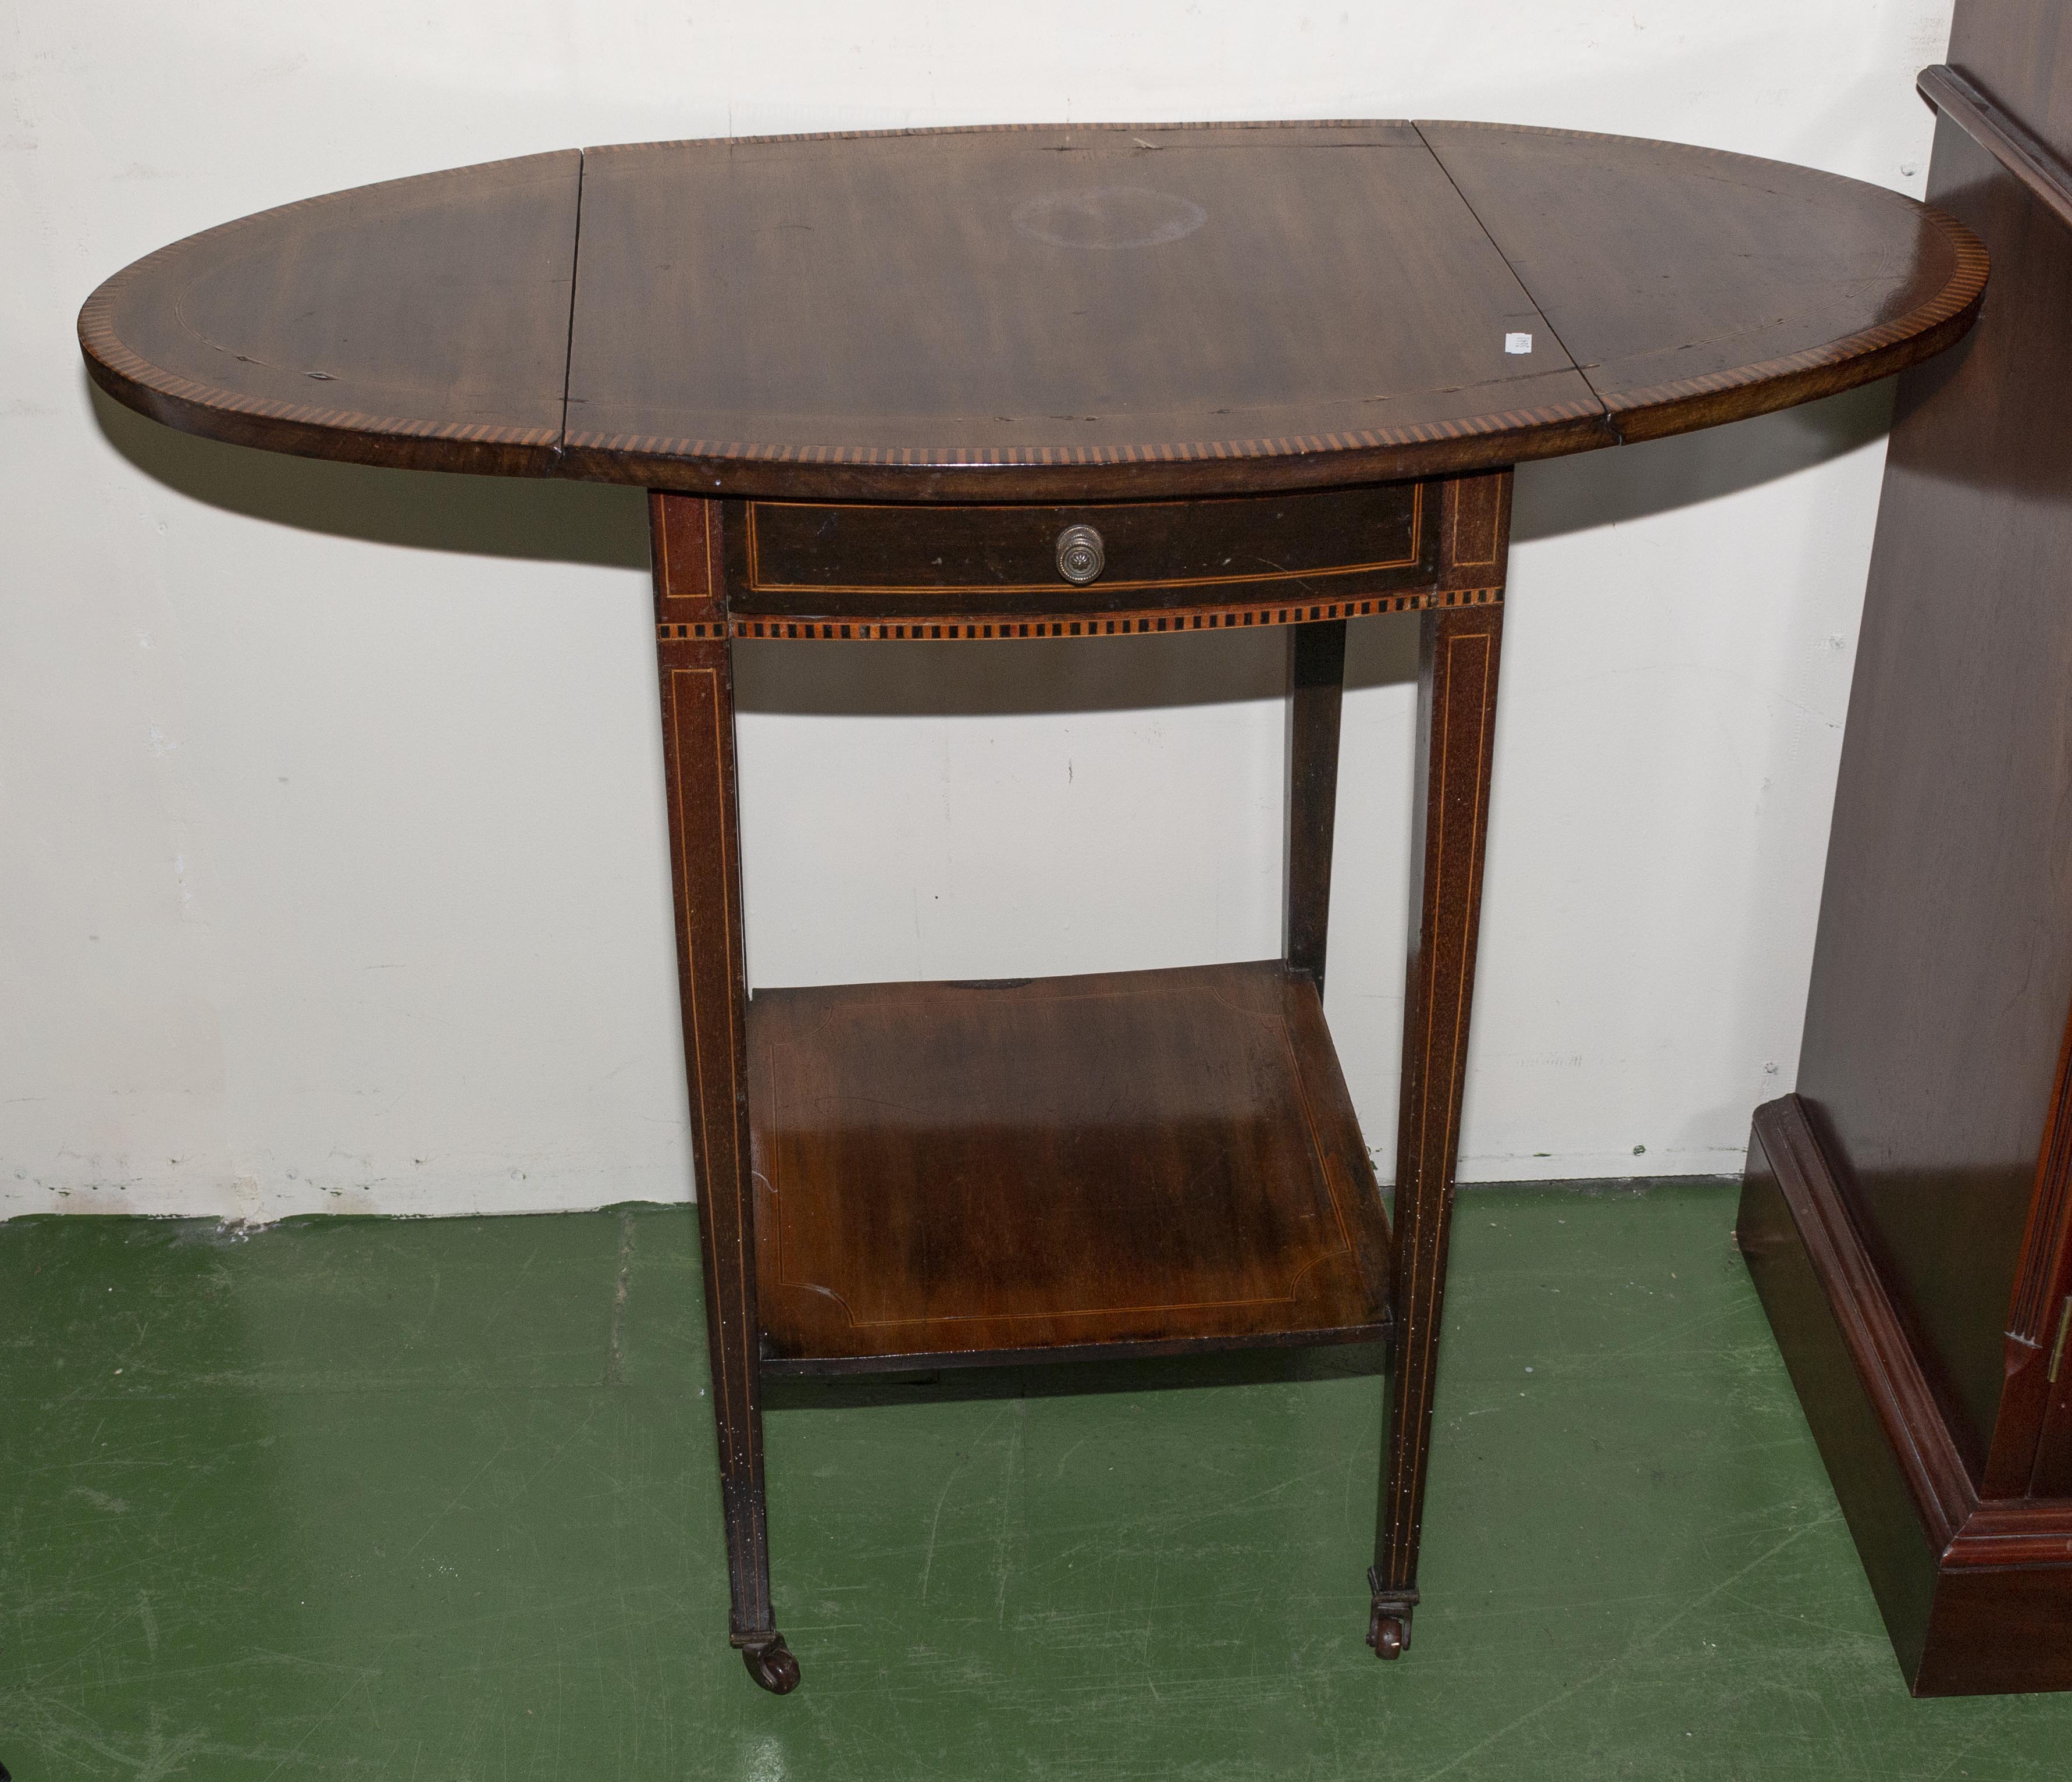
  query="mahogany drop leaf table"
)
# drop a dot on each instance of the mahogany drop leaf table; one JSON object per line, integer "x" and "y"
{"x": 1094, "y": 381}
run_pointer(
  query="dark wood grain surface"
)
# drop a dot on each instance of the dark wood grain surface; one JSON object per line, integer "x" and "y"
{"x": 2037, "y": 167}
{"x": 1265, "y": 559}
{"x": 2020, "y": 52}
{"x": 422, "y": 324}
{"x": 704, "y": 855}
{"x": 1152, "y": 1158}
{"x": 1305, "y": 543}
{"x": 1931, "y": 1085}
{"x": 1902, "y": 1487}
{"x": 1908, "y": 1214}
{"x": 1459, "y": 653}
{"x": 1316, "y": 702}
{"x": 1043, "y": 300}
{"x": 1036, "y": 314}
{"x": 1974, "y": 1591}
{"x": 1693, "y": 286}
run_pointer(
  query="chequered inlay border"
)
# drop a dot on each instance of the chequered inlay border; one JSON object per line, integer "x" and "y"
{"x": 950, "y": 457}
{"x": 1104, "y": 624}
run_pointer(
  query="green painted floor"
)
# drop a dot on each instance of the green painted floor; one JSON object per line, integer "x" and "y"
{"x": 435, "y": 1501}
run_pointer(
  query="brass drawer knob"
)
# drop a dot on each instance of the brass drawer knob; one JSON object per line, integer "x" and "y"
{"x": 1080, "y": 554}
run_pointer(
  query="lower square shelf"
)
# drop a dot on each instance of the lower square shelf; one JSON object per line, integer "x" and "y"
{"x": 1142, "y": 1162}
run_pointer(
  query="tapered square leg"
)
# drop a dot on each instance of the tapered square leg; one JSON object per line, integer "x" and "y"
{"x": 1457, "y": 688}
{"x": 1316, "y": 693}
{"x": 695, "y": 659}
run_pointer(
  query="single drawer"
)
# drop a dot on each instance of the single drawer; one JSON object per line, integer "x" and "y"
{"x": 816, "y": 559}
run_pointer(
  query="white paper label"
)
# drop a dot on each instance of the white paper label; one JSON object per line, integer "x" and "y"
{"x": 1517, "y": 343}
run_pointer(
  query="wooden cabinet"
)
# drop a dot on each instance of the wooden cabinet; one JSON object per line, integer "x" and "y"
{"x": 1908, "y": 1213}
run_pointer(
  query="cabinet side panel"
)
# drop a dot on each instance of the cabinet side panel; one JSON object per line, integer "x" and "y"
{"x": 2020, "y": 52}
{"x": 1997, "y": 1632}
{"x": 1806, "y": 1311}
{"x": 1943, "y": 968}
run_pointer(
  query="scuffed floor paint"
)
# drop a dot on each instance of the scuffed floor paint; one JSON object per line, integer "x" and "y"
{"x": 435, "y": 1500}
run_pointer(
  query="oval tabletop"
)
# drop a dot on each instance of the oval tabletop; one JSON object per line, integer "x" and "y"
{"x": 1036, "y": 313}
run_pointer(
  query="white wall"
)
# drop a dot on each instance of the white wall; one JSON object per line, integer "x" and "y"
{"x": 331, "y": 869}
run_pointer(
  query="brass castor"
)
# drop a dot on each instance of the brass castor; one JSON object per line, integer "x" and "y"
{"x": 772, "y": 1665}
{"x": 1389, "y": 1626}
